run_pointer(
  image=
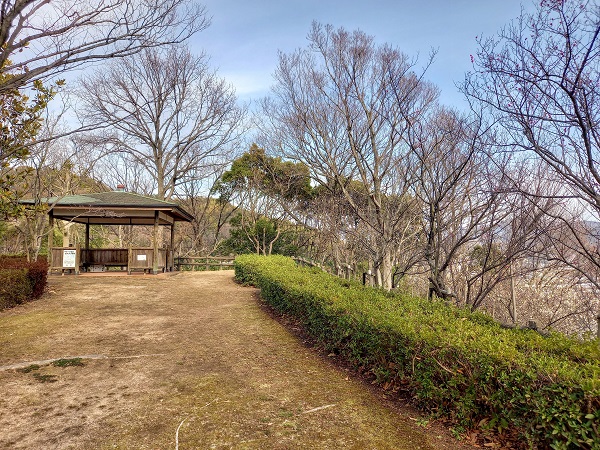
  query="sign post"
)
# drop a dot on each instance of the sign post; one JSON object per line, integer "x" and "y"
{"x": 70, "y": 259}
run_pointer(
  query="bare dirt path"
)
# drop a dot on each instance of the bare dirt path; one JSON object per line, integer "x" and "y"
{"x": 188, "y": 359}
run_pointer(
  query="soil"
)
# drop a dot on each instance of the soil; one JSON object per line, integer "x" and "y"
{"x": 187, "y": 360}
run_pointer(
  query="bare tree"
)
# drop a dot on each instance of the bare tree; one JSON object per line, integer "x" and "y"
{"x": 450, "y": 164}
{"x": 54, "y": 168}
{"x": 555, "y": 296}
{"x": 168, "y": 114}
{"x": 40, "y": 39}
{"x": 539, "y": 80}
{"x": 333, "y": 229}
{"x": 334, "y": 108}
{"x": 512, "y": 233}
{"x": 114, "y": 169}
{"x": 211, "y": 214}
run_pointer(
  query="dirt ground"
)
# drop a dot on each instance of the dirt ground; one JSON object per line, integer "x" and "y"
{"x": 187, "y": 360}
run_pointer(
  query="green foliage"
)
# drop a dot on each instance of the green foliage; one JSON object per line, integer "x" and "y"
{"x": 29, "y": 368}
{"x": 68, "y": 362}
{"x": 45, "y": 378}
{"x": 261, "y": 184}
{"x": 20, "y": 122}
{"x": 455, "y": 363}
{"x": 97, "y": 237}
{"x": 272, "y": 176}
{"x": 485, "y": 255}
{"x": 4, "y": 227}
{"x": 21, "y": 281}
{"x": 259, "y": 234}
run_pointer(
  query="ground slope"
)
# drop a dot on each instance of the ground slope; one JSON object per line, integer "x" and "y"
{"x": 187, "y": 358}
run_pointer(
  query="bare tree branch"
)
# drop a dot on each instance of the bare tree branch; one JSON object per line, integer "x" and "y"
{"x": 41, "y": 39}
{"x": 168, "y": 114}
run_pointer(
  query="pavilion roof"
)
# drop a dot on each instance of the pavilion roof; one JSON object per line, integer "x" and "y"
{"x": 117, "y": 204}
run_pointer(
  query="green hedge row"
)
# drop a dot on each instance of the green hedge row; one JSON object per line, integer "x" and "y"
{"x": 455, "y": 363}
{"x": 21, "y": 281}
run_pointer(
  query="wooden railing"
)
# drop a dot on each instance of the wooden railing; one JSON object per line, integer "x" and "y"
{"x": 65, "y": 259}
{"x": 104, "y": 257}
{"x": 204, "y": 262}
{"x": 143, "y": 258}
{"x": 133, "y": 258}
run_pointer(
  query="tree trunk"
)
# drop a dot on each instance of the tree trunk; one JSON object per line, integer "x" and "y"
{"x": 438, "y": 288}
{"x": 513, "y": 304}
{"x": 386, "y": 271}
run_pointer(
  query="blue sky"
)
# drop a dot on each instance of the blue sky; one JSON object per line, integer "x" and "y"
{"x": 245, "y": 36}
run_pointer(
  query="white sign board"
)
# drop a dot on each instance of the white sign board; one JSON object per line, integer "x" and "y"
{"x": 141, "y": 257}
{"x": 69, "y": 258}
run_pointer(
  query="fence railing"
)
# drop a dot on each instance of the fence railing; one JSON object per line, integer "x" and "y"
{"x": 204, "y": 262}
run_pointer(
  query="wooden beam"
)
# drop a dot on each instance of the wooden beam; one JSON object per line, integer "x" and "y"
{"x": 166, "y": 218}
{"x": 115, "y": 221}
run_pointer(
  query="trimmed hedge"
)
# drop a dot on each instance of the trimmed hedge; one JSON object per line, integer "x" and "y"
{"x": 15, "y": 287}
{"x": 455, "y": 363}
{"x": 21, "y": 281}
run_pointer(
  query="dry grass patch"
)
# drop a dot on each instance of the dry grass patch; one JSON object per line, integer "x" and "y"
{"x": 193, "y": 351}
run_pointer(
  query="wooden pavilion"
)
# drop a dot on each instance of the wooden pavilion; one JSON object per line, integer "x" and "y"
{"x": 113, "y": 208}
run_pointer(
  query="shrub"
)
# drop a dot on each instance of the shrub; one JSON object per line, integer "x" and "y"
{"x": 21, "y": 281}
{"x": 455, "y": 363}
{"x": 38, "y": 277}
{"x": 15, "y": 287}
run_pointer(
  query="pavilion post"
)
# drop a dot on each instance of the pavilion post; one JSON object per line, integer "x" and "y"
{"x": 77, "y": 258}
{"x": 50, "y": 239}
{"x": 155, "y": 245}
{"x": 86, "y": 248}
{"x": 171, "y": 255}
